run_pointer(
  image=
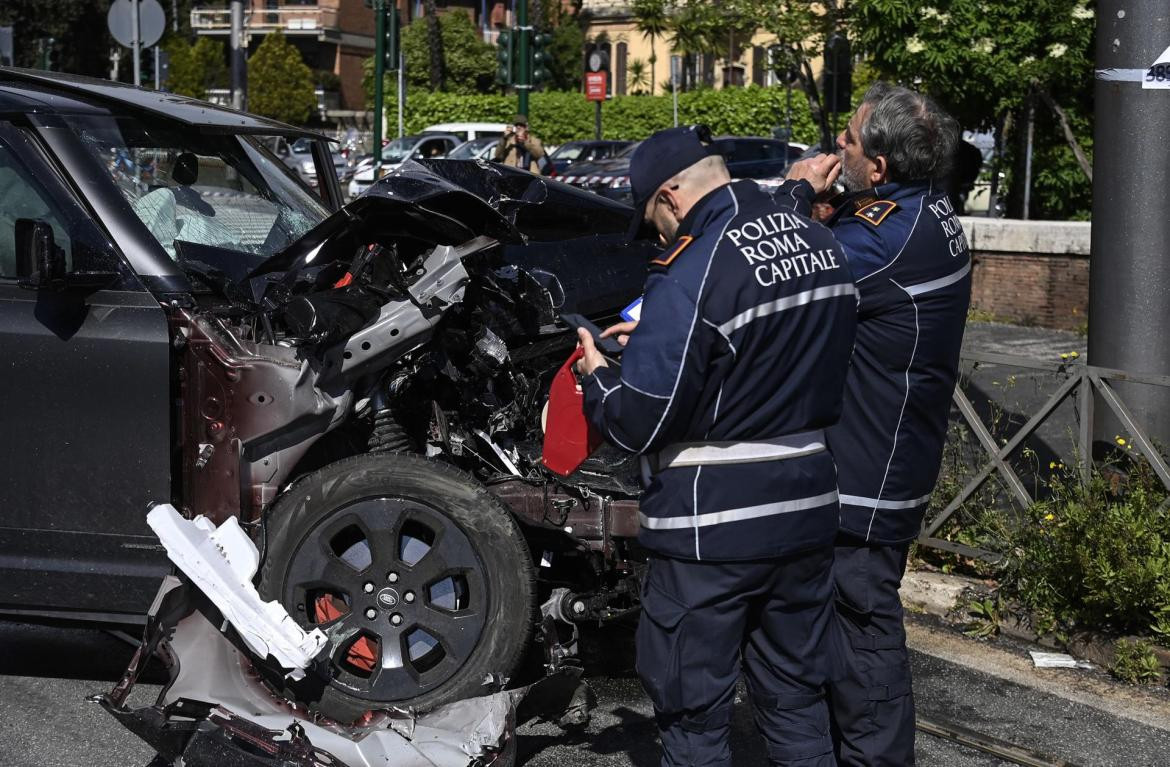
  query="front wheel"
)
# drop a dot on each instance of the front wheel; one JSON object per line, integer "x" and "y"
{"x": 419, "y": 577}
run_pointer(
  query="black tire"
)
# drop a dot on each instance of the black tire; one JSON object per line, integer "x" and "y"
{"x": 475, "y": 560}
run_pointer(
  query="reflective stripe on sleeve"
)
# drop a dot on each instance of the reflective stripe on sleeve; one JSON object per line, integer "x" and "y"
{"x": 783, "y": 304}
{"x": 874, "y": 503}
{"x": 737, "y": 515}
{"x": 941, "y": 282}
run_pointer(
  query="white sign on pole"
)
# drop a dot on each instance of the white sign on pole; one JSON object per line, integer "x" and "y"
{"x": 152, "y": 21}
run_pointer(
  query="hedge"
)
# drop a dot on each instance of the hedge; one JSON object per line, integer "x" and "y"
{"x": 557, "y": 117}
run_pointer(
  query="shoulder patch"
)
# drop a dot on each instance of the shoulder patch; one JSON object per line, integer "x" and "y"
{"x": 672, "y": 254}
{"x": 876, "y": 212}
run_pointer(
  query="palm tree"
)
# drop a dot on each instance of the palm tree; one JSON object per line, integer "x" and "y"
{"x": 638, "y": 79}
{"x": 689, "y": 36}
{"x": 652, "y": 19}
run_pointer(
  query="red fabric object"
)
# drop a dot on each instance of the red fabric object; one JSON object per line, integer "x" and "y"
{"x": 568, "y": 437}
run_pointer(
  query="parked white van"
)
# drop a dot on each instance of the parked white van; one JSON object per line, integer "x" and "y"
{"x": 469, "y": 131}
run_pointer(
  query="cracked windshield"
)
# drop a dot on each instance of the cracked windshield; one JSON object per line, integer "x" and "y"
{"x": 218, "y": 191}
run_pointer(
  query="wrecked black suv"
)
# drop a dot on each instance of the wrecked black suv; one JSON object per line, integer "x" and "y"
{"x": 182, "y": 321}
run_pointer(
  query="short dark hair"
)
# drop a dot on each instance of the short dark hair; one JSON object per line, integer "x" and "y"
{"x": 915, "y": 135}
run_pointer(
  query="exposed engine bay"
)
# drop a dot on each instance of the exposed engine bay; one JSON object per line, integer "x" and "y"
{"x": 421, "y": 318}
{"x": 368, "y": 405}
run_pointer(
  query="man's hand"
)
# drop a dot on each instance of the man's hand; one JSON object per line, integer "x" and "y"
{"x": 592, "y": 359}
{"x": 820, "y": 171}
{"x": 622, "y": 330}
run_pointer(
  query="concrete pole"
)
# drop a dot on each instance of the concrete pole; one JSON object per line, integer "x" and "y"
{"x": 238, "y": 60}
{"x": 379, "y": 81}
{"x": 136, "y": 40}
{"x": 1028, "y": 144}
{"x": 401, "y": 91}
{"x": 1129, "y": 293}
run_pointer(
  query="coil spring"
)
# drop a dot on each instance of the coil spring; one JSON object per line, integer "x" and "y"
{"x": 388, "y": 435}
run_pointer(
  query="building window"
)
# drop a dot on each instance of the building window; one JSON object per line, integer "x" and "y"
{"x": 758, "y": 58}
{"x": 623, "y": 52}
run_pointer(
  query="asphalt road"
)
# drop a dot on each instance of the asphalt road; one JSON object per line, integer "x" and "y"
{"x": 46, "y": 674}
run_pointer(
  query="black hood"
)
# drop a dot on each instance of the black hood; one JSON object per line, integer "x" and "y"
{"x": 412, "y": 200}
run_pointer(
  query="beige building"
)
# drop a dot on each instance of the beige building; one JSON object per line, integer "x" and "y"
{"x": 631, "y": 51}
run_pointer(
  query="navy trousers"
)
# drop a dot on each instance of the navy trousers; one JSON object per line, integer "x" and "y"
{"x": 704, "y": 622}
{"x": 871, "y": 700}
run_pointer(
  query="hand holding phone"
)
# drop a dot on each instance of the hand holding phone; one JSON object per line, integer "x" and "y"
{"x": 608, "y": 346}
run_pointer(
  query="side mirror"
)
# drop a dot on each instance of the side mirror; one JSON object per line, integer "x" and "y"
{"x": 40, "y": 263}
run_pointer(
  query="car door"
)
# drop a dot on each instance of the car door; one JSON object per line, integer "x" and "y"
{"x": 85, "y": 388}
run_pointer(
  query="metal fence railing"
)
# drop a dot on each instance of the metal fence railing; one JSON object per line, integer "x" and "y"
{"x": 1080, "y": 382}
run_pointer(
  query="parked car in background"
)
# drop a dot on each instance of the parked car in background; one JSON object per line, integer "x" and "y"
{"x": 476, "y": 149}
{"x": 298, "y": 156}
{"x": 421, "y": 146}
{"x": 469, "y": 131}
{"x": 746, "y": 156}
{"x": 573, "y": 153}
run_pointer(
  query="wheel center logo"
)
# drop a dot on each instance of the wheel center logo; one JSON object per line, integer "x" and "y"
{"x": 388, "y": 598}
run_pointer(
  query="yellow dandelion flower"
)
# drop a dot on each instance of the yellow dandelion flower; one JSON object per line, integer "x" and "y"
{"x": 1121, "y": 440}
{"x": 1064, "y": 356}
{"x": 1074, "y": 355}
{"x": 1052, "y": 464}
{"x": 1049, "y": 517}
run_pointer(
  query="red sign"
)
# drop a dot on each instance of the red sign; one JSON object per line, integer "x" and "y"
{"x": 595, "y": 86}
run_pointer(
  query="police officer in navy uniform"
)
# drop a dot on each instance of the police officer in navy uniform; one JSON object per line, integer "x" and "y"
{"x": 906, "y": 248}
{"x": 725, "y": 387}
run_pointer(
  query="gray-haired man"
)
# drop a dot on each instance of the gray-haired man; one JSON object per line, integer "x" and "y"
{"x": 913, "y": 274}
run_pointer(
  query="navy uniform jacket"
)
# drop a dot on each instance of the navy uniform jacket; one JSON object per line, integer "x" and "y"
{"x": 746, "y": 329}
{"x": 913, "y": 271}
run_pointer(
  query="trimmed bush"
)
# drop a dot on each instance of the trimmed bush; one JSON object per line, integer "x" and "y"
{"x": 557, "y": 117}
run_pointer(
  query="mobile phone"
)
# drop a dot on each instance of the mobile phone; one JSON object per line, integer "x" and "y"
{"x": 609, "y": 346}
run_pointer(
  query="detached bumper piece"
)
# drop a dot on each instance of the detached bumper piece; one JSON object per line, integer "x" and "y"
{"x": 205, "y": 735}
{"x": 209, "y": 627}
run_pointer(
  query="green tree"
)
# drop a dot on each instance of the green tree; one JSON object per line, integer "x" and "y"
{"x": 197, "y": 68}
{"x": 469, "y": 63}
{"x": 567, "y": 49}
{"x": 799, "y": 31}
{"x": 212, "y": 57}
{"x": 989, "y": 63}
{"x": 652, "y": 19}
{"x": 280, "y": 84}
{"x": 78, "y": 27}
{"x": 186, "y": 75}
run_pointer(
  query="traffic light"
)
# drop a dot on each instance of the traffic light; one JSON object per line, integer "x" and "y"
{"x": 393, "y": 37}
{"x": 505, "y": 54}
{"x": 541, "y": 57}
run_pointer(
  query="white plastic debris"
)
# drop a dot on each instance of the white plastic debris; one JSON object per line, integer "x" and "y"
{"x": 221, "y": 562}
{"x": 1057, "y": 660}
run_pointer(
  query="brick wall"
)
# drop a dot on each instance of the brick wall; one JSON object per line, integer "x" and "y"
{"x": 1030, "y": 272}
